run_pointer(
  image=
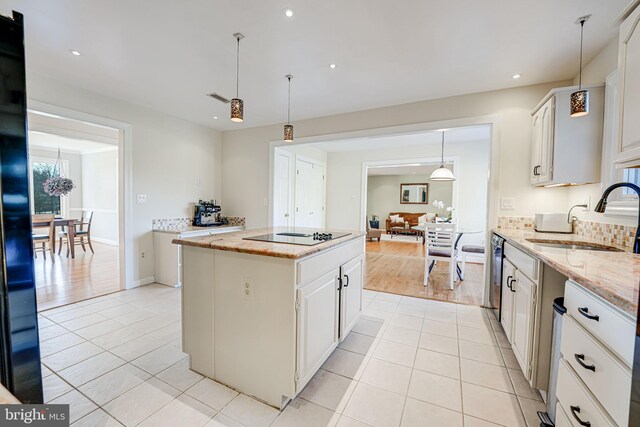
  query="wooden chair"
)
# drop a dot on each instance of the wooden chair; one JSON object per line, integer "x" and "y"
{"x": 82, "y": 233}
{"x": 440, "y": 240}
{"x": 43, "y": 241}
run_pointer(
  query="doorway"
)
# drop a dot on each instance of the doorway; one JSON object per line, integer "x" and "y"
{"x": 83, "y": 258}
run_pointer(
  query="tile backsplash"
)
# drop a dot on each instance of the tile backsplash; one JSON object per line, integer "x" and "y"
{"x": 179, "y": 223}
{"x": 613, "y": 234}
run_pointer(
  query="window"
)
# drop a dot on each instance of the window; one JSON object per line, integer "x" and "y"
{"x": 632, "y": 176}
{"x": 42, "y": 203}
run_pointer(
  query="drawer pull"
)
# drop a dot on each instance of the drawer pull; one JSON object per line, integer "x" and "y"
{"x": 346, "y": 285}
{"x": 580, "y": 358}
{"x": 585, "y": 312}
{"x": 576, "y": 410}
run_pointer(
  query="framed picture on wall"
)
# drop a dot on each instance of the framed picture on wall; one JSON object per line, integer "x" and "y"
{"x": 414, "y": 194}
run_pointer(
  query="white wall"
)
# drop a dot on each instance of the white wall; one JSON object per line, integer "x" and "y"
{"x": 174, "y": 162}
{"x": 100, "y": 194}
{"x": 245, "y": 153}
{"x": 383, "y": 193}
{"x": 74, "y": 199}
{"x": 344, "y": 174}
{"x": 597, "y": 71}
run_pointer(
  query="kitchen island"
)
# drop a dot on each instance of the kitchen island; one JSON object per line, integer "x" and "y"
{"x": 262, "y": 317}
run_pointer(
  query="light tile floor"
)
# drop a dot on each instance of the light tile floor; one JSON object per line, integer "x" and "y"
{"x": 408, "y": 362}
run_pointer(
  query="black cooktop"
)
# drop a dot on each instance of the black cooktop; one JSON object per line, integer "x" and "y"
{"x": 309, "y": 238}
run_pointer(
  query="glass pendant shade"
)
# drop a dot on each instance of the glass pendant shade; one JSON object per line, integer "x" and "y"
{"x": 442, "y": 174}
{"x": 580, "y": 103}
{"x": 237, "y": 110}
{"x": 288, "y": 133}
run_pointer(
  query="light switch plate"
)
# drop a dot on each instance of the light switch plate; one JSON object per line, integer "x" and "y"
{"x": 141, "y": 198}
{"x": 507, "y": 203}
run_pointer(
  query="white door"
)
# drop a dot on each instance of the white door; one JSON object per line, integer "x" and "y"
{"x": 352, "y": 274}
{"x": 309, "y": 199}
{"x": 523, "y": 320}
{"x": 506, "y": 307}
{"x": 282, "y": 190}
{"x": 317, "y": 325}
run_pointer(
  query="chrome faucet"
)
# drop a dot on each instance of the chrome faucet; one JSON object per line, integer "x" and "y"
{"x": 602, "y": 205}
{"x": 571, "y": 219}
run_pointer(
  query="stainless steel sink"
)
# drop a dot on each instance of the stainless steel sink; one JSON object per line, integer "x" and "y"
{"x": 584, "y": 246}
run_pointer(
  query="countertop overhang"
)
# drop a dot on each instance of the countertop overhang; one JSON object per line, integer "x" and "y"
{"x": 614, "y": 276}
{"x": 234, "y": 242}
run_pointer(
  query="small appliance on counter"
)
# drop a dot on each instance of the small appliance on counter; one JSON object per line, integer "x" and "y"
{"x": 553, "y": 223}
{"x": 207, "y": 214}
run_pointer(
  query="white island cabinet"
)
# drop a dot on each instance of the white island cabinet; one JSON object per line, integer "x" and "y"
{"x": 263, "y": 317}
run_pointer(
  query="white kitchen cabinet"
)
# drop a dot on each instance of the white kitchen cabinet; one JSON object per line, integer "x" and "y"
{"x": 566, "y": 150}
{"x": 352, "y": 275}
{"x": 168, "y": 257}
{"x": 523, "y": 316}
{"x": 506, "y": 308}
{"x": 629, "y": 88}
{"x": 317, "y": 323}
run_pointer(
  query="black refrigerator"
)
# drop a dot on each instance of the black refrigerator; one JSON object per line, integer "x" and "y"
{"x": 19, "y": 346}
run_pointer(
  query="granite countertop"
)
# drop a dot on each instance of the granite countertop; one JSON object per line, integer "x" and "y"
{"x": 6, "y": 398}
{"x": 234, "y": 242}
{"x": 189, "y": 228}
{"x": 614, "y": 276}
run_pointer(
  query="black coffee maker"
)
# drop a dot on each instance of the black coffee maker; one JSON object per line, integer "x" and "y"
{"x": 207, "y": 214}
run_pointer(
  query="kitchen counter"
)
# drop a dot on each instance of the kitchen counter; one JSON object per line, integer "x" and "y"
{"x": 190, "y": 228}
{"x": 614, "y": 276}
{"x": 234, "y": 242}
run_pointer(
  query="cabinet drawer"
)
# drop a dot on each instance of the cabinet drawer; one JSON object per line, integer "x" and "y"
{"x": 316, "y": 265}
{"x": 527, "y": 264}
{"x": 574, "y": 396}
{"x": 612, "y": 327}
{"x": 562, "y": 418}
{"x": 607, "y": 378}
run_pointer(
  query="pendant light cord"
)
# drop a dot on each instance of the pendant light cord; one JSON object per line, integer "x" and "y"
{"x": 581, "y": 37}
{"x": 289, "y": 105}
{"x": 442, "y": 152}
{"x": 237, "y": 66}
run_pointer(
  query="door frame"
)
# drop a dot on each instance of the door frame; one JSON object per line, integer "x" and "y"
{"x": 291, "y": 159}
{"x": 125, "y": 185}
{"x": 494, "y": 122}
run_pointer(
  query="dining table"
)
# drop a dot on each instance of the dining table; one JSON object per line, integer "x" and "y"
{"x": 59, "y": 222}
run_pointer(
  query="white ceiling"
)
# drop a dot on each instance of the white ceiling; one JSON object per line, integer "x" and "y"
{"x": 49, "y": 142}
{"x": 168, "y": 55}
{"x": 462, "y": 134}
{"x": 418, "y": 169}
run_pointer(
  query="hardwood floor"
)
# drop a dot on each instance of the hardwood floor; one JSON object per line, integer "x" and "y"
{"x": 397, "y": 267}
{"x": 69, "y": 280}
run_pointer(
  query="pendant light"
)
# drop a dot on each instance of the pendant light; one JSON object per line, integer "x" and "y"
{"x": 580, "y": 99}
{"x": 288, "y": 128}
{"x": 237, "y": 106}
{"x": 442, "y": 173}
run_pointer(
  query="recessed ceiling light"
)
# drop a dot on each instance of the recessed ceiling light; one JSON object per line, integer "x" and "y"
{"x": 215, "y": 117}
{"x": 288, "y": 13}
{"x": 75, "y": 52}
{"x": 516, "y": 76}
{"x": 332, "y": 66}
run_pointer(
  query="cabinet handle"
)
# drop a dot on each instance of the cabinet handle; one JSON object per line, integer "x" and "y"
{"x": 346, "y": 284}
{"x": 575, "y": 410}
{"x": 511, "y": 285}
{"x": 339, "y": 283}
{"x": 580, "y": 358}
{"x": 509, "y": 281}
{"x": 585, "y": 312}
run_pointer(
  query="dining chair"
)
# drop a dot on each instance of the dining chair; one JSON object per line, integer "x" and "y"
{"x": 43, "y": 236}
{"x": 469, "y": 249}
{"x": 82, "y": 231}
{"x": 440, "y": 239}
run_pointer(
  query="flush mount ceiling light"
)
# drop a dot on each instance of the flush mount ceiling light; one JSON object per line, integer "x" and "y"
{"x": 516, "y": 76}
{"x": 74, "y": 52}
{"x": 288, "y": 13}
{"x": 442, "y": 173}
{"x": 332, "y": 66}
{"x": 288, "y": 128}
{"x": 237, "y": 105}
{"x": 580, "y": 99}
{"x": 215, "y": 117}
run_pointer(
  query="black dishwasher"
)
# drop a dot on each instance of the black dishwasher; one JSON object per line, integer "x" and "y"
{"x": 495, "y": 291}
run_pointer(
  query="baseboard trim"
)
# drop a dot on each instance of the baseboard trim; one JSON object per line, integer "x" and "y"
{"x": 104, "y": 241}
{"x": 144, "y": 281}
